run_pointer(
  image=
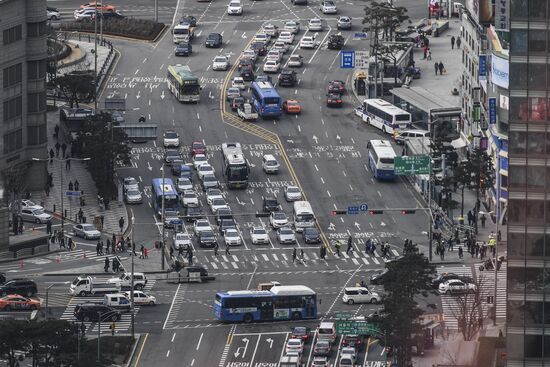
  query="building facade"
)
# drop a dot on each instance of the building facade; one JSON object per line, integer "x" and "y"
{"x": 528, "y": 313}
{"x": 23, "y": 54}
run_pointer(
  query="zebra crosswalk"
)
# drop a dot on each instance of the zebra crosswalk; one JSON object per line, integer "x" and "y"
{"x": 451, "y": 307}
{"x": 488, "y": 290}
{"x": 245, "y": 260}
{"x": 83, "y": 254}
{"x": 122, "y": 325}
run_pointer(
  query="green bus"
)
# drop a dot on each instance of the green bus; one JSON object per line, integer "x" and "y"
{"x": 183, "y": 83}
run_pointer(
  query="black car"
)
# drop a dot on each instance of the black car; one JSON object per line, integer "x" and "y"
{"x": 189, "y": 19}
{"x": 226, "y": 224}
{"x": 334, "y": 100}
{"x": 192, "y": 213}
{"x": 91, "y": 311}
{"x": 214, "y": 40}
{"x": 288, "y": 78}
{"x": 270, "y": 204}
{"x": 247, "y": 73}
{"x": 442, "y": 278}
{"x": 207, "y": 239}
{"x": 171, "y": 155}
{"x": 311, "y": 235}
{"x": 245, "y": 62}
{"x": 183, "y": 49}
{"x": 336, "y": 86}
{"x": 259, "y": 47}
{"x": 378, "y": 277}
{"x": 223, "y": 213}
{"x": 335, "y": 42}
{"x": 23, "y": 287}
{"x": 196, "y": 269}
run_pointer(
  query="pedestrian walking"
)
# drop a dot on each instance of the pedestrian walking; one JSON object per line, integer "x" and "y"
{"x": 108, "y": 245}
{"x": 483, "y": 218}
{"x": 114, "y": 265}
{"x": 63, "y": 149}
{"x": 470, "y": 218}
{"x": 121, "y": 223}
{"x": 337, "y": 246}
{"x": 97, "y": 248}
{"x": 294, "y": 255}
{"x": 425, "y": 52}
{"x": 460, "y": 252}
{"x": 141, "y": 250}
{"x": 429, "y": 54}
{"x": 57, "y": 147}
{"x": 145, "y": 253}
{"x": 80, "y": 215}
{"x": 56, "y": 131}
{"x": 68, "y": 164}
{"x": 76, "y": 185}
{"x": 70, "y": 186}
{"x": 70, "y": 244}
{"x": 458, "y": 42}
{"x": 101, "y": 244}
{"x": 350, "y": 245}
{"x": 477, "y": 249}
{"x": 216, "y": 248}
{"x": 49, "y": 227}
{"x": 52, "y": 154}
{"x": 62, "y": 242}
{"x": 322, "y": 252}
{"x": 453, "y": 42}
{"x": 441, "y": 68}
{"x": 302, "y": 255}
{"x": 102, "y": 218}
{"x": 227, "y": 250}
{"x": 442, "y": 253}
{"x": 190, "y": 257}
{"x": 171, "y": 252}
{"x": 436, "y": 67}
{"x": 106, "y": 267}
{"x": 50, "y": 179}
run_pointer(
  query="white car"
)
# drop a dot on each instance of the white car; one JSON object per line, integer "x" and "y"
{"x": 278, "y": 219}
{"x": 198, "y": 160}
{"x": 315, "y": 25}
{"x": 201, "y": 225}
{"x": 271, "y": 30}
{"x": 286, "y": 37}
{"x": 231, "y": 237}
{"x": 354, "y": 295}
{"x": 235, "y": 8}
{"x": 217, "y": 204}
{"x": 271, "y": 66}
{"x": 307, "y": 42}
{"x": 456, "y": 286}
{"x": 295, "y": 61}
{"x": 232, "y": 93}
{"x": 86, "y": 231}
{"x": 141, "y": 298}
{"x": 281, "y": 47}
{"x": 205, "y": 169}
{"x": 212, "y": 194}
{"x": 249, "y": 54}
{"x": 286, "y": 235}
{"x": 35, "y": 215}
{"x": 293, "y": 193}
{"x": 292, "y": 26}
{"x": 294, "y": 346}
{"x": 189, "y": 198}
{"x": 261, "y": 37}
{"x": 53, "y": 14}
{"x": 183, "y": 184}
{"x": 27, "y": 204}
{"x": 274, "y": 55}
{"x": 130, "y": 183}
{"x": 182, "y": 240}
{"x": 220, "y": 63}
{"x": 238, "y": 82}
{"x": 171, "y": 139}
{"x": 83, "y": 14}
{"x": 259, "y": 235}
{"x": 328, "y": 7}
{"x": 133, "y": 196}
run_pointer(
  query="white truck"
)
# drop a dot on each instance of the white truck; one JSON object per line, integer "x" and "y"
{"x": 183, "y": 33}
{"x": 85, "y": 285}
{"x": 246, "y": 112}
{"x": 124, "y": 281}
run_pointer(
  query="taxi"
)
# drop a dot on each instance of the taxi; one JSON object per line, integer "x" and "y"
{"x": 99, "y": 4}
{"x": 292, "y": 106}
{"x": 17, "y": 302}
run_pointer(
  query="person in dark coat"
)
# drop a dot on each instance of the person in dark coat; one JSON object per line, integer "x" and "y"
{"x": 52, "y": 154}
{"x": 436, "y": 67}
{"x": 68, "y": 164}
{"x": 458, "y": 42}
{"x": 76, "y": 185}
{"x": 441, "y": 68}
{"x": 453, "y": 42}
{"x": 70, "y": 186}
{"x": 57, "y": 147}
{"x": 63, "y": 149}
{"x": 106, "y": 267}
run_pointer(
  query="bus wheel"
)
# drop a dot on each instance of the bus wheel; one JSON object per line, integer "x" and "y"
{"x": 248, "y": 318}
{"x": 296, "y": 315}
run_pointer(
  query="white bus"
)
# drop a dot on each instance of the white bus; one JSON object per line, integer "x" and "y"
{"x": 381, "y": 159}
{"x": 385, "y": 116}
{"x": 303, "y": 215}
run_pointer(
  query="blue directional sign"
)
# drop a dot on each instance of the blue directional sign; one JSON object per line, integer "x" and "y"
{"x": 363, "y": 207}
{"x": 347, "y": 59}
{"x": 353, "y": 210}
{"x": 72, "y": 193}
{"x": 492, "y": 110}
{"x": 360, "y": 36}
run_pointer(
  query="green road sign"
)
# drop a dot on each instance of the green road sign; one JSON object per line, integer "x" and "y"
{"x": 343, "y": 315}
{"x": 412, "y": 165}
{"x": 356, "y": 327}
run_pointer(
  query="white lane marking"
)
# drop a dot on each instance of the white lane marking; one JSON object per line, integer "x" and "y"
{"x": 199, "y": 343}
{"x": 322, "y": 180}
{"x": 316, "y": 168}
{"x": 328, "y": 193}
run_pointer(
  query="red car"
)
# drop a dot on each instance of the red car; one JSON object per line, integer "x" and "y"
{"x": 334, "y": 100}
{"x": 336, "y": 86}
{"x": 198, "y": 147}
{"x": 300, "y": 332}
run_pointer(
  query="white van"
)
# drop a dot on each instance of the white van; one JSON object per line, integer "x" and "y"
{"x": 118, "y": 301}
{"x": 326, "y": 331}
{"x": 360, "y": 295}
{"x": 290, "y": 361}
{"x": 270, "y": 164}
{"x": 401, "y": 136}
{"x": 303, "y": 215}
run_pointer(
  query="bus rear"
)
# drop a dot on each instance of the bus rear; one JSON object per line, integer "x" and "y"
{"x": 381, "y": 159}
{"x": 266, "y": 100}
{"x": 163, "y": 189}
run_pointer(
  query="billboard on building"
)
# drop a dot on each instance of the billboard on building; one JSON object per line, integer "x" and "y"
{"x": 500, "y": 71}
{"x": 502, "y": 15}
{"x": 481, "y": 10}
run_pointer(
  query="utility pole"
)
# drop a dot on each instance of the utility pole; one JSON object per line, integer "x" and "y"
{"x": 98, "y": 335}
{"x": 95, "y": 57}
{"x": 132, "y": 271}
{"x": 156, "y": 10}
{"x": 162, "y": 223}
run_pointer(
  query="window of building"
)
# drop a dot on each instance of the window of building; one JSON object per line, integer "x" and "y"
{"x": 537, "y": 76}
{"x": 514, "y": 346}
{"x": 516, "y": 211}
{"x": 534, "y": 279}
{"x": 12, "y": 34}
{"x": 518, "y": 75}
{"x": 13, "y": 141}
{"x": 534, "y": 244}
{"x": 36, "y": 102}
{"x": 36, "y": 135}
{"x": 533, "y": 346}
{"x": 515, "y": 312}
{"x": 517, "y": 142}
{"x": 36, "y": 29}
{"x": 537, "y": 9}
{"x": 13, "y": 75}
{"x": 516, "y": 245}
{"x": 533, "y": 312}
{"x": 36, "y": 69}
{"x": 13, "y": 108}
{"x": 536, "y": 177}
{"x": 537, "y": 41}
{"x": 535, "y": 212}
{"x": 536, "y": 142}
{"x": 518, "y": 41}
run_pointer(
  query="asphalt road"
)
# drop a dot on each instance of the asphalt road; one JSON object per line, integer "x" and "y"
{"x": 323, "y": 150}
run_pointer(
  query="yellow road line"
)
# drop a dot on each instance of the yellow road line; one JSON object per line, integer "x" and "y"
{"x": 141, "y": 350}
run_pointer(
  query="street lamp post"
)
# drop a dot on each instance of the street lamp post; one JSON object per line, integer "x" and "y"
{"x": 132, "y": 275}
{"x": 162, "y": 223}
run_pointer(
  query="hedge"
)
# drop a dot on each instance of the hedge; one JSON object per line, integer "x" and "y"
{"x": 143, "y": 29}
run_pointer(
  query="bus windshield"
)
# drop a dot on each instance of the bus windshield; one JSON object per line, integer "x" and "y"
{"x": 304, "y": 217}
{"x": 170, "y": 202}
{"x": 237, "y": 172}
{"x": 190, "y": 89}
{"x": 181, "y": 31}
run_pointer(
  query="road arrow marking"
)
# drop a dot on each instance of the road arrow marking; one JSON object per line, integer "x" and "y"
{"x": 237, "y": 353}
{"x": 357, "y": 225}
{"x": 382, "y": 224}
{"x": 238, "y": 201}
{"x": 316, "y": 139}
{"x": 331, "y": 227}
{"x": 162, "y": 95}
{"x": 149, "y": 166}
{"x": 270, "y": 341}
{"x": 338, "y": 138}
{"x": 138, "y": 94}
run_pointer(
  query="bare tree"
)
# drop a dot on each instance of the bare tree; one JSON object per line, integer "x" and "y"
{"x": 468, "y": 310}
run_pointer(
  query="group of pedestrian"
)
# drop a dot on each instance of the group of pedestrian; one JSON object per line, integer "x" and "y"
{"x": 115, "y": 264}
{"x": 458, "y": 42}
{"x": 385, "y": 249}
{"x": 144, "y": 252}
{"x": 438, "y": 66}
{"x": 370, "y": 246}
{"x": 295, "y": 257}
{"x": 99, "y": 248}
{"x": 472, "y": 217}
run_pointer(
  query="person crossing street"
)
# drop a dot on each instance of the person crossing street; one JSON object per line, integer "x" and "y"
{"x": 337, "y": 246}
{"x": 350, "y": 245}
{"x": 294, "y": 255}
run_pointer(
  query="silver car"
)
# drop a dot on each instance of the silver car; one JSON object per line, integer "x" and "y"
{"x": 133, "y": 196}
{"x": 130, "y": 183}
{"x": 286, "y": 235}
{"x": 35, "y": 215}
{"x": 86, "y": 231}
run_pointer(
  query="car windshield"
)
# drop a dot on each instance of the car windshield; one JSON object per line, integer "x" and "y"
{"x": 259, "y": 231}
{"x": 299, "y": 331}
{"x": 279, "y": 215}
{"x": 207, "y": 233}
{"x": 133, "y": 192}
{"x": 271, "y": 202}
{"x": 131, "y": 181}
{"x": 218, "y": 201}
{"x": 286, "y": 231}
{"x": 293, "y": 189}
{"x": 171, "y": 135}
{"x": 322, "y": 344}
{"x": 88, "y": 227}
{"x": 189, "y": 195}
{"x": 219, "y": 59}
{"x": 213, "y": 192}
{"x": 209, "y": 178}
{"x": 231, "y": 232}
{"x": 38, "y": 211}
{"x": 294, "y": 342}
{"x": 205, "y": 167}
{"x": 183, "y": 181}
{"x": 182, "y": 237}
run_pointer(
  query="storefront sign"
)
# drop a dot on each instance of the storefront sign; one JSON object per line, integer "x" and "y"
{"x": 492, "y": 110}
{"x": 499, "y": 71}
{"x": 502, "y": 14}
{"x": 482, "y": 67}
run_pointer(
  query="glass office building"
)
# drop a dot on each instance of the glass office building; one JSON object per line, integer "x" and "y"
{"x": 528, "y": 318}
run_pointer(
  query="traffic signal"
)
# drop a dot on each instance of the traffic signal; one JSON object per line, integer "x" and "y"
{"x": 374, "y": 212}
{"x": 408, "y": 211}
{"x": 339, "y": 212}
{"x": 262, "y": 215}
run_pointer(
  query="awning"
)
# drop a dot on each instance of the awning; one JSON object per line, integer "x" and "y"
{"x": 459, "y": 143}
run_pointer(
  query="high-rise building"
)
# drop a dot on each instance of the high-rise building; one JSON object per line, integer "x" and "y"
{"x": 23, "y": 54}
{"x": 528, "y": 284}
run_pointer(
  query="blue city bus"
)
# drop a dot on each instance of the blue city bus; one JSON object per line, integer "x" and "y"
{"x": 164, "y": 187}
{"x": 381, "y": 159}
{"x": 286, "y": 302}
{"x": 266, "y": 100}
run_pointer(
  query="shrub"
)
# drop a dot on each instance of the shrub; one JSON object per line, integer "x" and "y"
{"x": 144, "y": 29}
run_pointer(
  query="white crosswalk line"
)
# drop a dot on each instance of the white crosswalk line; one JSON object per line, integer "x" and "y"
{"x": 355, "y": 261}
{"x": 225, "y": 258}
{"x": 265, "y": 257}
{"x": 376, "y": 261}
{"x": 234, "y": 265}
{"x": 395, "y": 252}
{"x": 225, "y": 265}
{"x": 215, "y": 266}
{"x": 284, "y": 257}
{"x": 275, "y": 257}
{"x": 234, "y": 258}
{"x": 365, "y": 260}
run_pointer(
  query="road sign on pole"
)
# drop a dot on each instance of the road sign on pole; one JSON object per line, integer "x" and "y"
{"x": 356, "y": 328}
{"x": 363, "y": 207}
{"x": 347, "y": 59}
{"x": 72, "y": 193}
{"x": 412, "y": 165}
{"x": 362, "y": 59}
{"x": 353, "y": 210}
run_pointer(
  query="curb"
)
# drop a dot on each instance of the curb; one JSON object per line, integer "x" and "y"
{"x": 106, "y": 35}
{"x": 134, "y": 348}
{"x": 75, "y": 61}
{"x": 103, "y": 273}
{"x": 5, "y": 261}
